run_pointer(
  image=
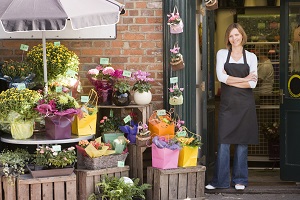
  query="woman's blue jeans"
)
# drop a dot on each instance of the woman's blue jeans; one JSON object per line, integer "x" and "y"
{"x": 239, "y": 173}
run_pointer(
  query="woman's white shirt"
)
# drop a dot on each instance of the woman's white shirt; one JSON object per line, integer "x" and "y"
{"x": 221, "y": 60}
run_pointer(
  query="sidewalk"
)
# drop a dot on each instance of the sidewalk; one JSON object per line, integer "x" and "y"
{"x": 264, "y": 184}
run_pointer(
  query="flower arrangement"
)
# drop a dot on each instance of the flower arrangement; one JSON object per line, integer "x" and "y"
{"x": 162, "y": 142}
{"x": 121, "y": 83}
{"x": 15, "y": 69}
{"x": 59, "y": 60}
{"x": 101, "y": 72}
{"x": 109, "y": 124}
{"x": 175, "y": 91}
{"x": 271, "y": 130}
{"x": 142, "y": 80}
{"x": 174, "y": 18}
{"x": 57, "y": 104}
{"x": 143, "y": 137}
{"x": 176, "y": 56}
{"x": 14, "y": 162}
{"x": 18, "y": 105}
{"x": 49, "y": 157}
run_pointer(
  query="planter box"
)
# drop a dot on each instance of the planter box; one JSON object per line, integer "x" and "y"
{"x": 50, "y": 172}
{"x": 87, "y": 179}
{"x": 180, "y": 183}
{"x": 25, "y": 187}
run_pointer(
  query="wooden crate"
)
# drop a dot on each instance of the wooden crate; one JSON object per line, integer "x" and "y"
{"x": 25, "y": 187}
{"x": 87, "y": 179}
{"x": 137, "y": 161}
{"x": 180, "y": 183}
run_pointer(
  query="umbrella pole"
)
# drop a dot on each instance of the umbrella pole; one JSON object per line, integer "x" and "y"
{"x": 45, "y": 63}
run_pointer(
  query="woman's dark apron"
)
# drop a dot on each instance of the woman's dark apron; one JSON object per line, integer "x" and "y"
{"x": 237, "y": 115}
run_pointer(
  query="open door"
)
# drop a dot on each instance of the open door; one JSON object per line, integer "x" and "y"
{"x": 290, "y": 90}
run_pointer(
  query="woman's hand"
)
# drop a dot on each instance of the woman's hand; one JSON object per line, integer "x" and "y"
{"x": 251, "y": 77}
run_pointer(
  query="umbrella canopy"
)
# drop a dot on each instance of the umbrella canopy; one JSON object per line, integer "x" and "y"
{"x": 47, "y": 15}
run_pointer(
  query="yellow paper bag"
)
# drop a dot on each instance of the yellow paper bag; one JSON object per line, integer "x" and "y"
{"x": 86, "y": 124}
{"x": 188, "y": 156}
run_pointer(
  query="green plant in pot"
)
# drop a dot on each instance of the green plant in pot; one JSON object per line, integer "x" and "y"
{"x": 141, "y": 87}
{"x": 13, "y": 163}
{"x": 17, "y": 114}
{"x": 113, "y": 188}
{"x": 121, "y": 89}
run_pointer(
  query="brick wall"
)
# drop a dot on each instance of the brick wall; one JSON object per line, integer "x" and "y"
{"x": 139, "y": 45}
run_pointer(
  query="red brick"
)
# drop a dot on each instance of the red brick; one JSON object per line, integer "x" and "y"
{"x": 148, "y": 59}
{"x": 132, "y": 13}
{"x": 154, "y": 36}
{"x": 130, "y": 36}
{"x": 147, "y": 13}
{"x": 127, "y": 20}
{"x": 140, "y": 20}
{"x": 91, "y": 51}
{"x": 134, "y": 59}
{"x": 154, "y": 20}
{"x": 147, "y": 28}
{"x": 133, "y": 52}
{"x": 142, "y": 5}
{"x": 134, "y": 28}
{"x": 112, "y": 51}
{"x": 134, "y": 44}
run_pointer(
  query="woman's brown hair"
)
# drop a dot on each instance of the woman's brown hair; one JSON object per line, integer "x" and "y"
{"x": 241, "y": 31}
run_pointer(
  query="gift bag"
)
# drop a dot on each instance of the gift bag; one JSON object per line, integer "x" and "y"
{"x": 164, "y": 158}
{"x": 130, "y": 131}
{"x": 21, "y": 130}
{"x": 161, "y": 125}
{"x": 188, "y": 156}
{"x": 175, "y": 22}
{"x": 58, "y": 127}
{"x": 85, "y": 124}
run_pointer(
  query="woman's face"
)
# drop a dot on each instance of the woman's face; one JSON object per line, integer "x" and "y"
{"x": 235, "y": 38}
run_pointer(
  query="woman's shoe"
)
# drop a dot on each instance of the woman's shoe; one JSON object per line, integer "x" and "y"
{"x": 239, "y": 187}
{"x": 210, "y": 187}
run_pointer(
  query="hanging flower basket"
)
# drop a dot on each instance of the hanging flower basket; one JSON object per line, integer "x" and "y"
{"x": 175, "y": 22}
{"x": 176, "y": 59}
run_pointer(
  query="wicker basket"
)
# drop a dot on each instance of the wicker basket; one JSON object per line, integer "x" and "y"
{"x": 177, "y": 65}
{"x": 101, "y": 162}
{"x": 143, "y": 141}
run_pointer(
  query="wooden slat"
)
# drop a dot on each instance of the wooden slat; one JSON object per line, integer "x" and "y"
{"x": 191, "y": 189}
{"x": 59, "y": 190}
{"x": 35, "y": 191}
{"x": 200, "y": 184}
{"x": 71, "y": 190}
{"x": 150, "y": 181}
{"x": 23, "y": 192}
{"x": 27, "y": 179}
{"x": 9, "y": 187}
{"x": 182, "y": 185}
{"x": 156, "y": 184}
{"x": 173, "y": 184}
{"x": 47, "y": 189}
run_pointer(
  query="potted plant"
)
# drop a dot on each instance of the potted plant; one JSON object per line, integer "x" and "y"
{"x": 271, "y": 132}
{"x": 53, "y": 161}
{"x": 175, "y": 95}
{"x": 15, "y": 72}
{"x": 176, "y": 59}
{"x": 141, "y": 87}
{"x": 109, "y": 128}
{"x": 121, "y": 89}
{"x": 58, "y": 110}
{"x": 101, "y": 78}
{"x": 60, "y": 60}
{"x": 143, "y": 137}
{"x": 13, "y": 163}
{"x": 113, "y": 188}
{"x": 17, "y": 114}
{"x": 175, "y": 22}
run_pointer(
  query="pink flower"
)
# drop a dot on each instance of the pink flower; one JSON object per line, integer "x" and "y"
{"x": 171, "y": 89}
{"x": 93, "y": 71}
{"x": 102, "y": 121}
{"x": 175, "y": 50}
{"x": 99, "y": 68}
{"x": 108, "y": 71}
{"x": 105, "y": 117}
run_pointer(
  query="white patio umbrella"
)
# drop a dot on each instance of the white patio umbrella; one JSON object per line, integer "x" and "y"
{"x": 52, "y": 15}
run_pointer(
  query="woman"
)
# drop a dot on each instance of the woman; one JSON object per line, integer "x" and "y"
{"x": 237, "y": 71}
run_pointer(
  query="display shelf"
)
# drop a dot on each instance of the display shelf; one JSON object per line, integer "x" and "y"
{"x": 40, "y": 138}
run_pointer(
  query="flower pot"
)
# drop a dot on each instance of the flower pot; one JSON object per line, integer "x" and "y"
{"x": 104, "y": 90}
{"x": 21, "y": 130}
{"x": 121, "y": 99}
{"x": 176, "y": 100}
{"x": 177, "y": 65}
{"x": 58, "y": 127}
{"x": 142, "y": 98}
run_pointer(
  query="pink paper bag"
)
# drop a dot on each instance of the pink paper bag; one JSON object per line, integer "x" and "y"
{"x": 164, "y": 158}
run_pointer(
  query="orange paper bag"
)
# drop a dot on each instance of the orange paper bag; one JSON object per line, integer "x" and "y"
{"x": 161, "y": 125}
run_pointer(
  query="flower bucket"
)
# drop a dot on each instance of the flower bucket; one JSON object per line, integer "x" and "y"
{"x": 58, "y": 127}
{"x": 174, "y": 101}
{"x": 22, "y": 130}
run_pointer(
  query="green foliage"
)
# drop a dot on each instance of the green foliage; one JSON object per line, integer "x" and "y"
{"x": 113, "y": 188}
{"x": 109, "y": 124}
{"x": 15, "y": 69}
{"x": 14, "y": 162}
{"x": 122, "y": 86}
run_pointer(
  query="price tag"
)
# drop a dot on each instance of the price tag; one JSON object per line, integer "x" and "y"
{"x": 21, "y": 86}
{"x": 161, "y": 112}
{"x": 56, "y": 147}
{"x": 58, "y": 88}
{"x": 126, "y": 73}
{"x": 121, "y": 164}
{"x": 57, "y": 43}
{"x": 104, "y": 61}
{"x": 84, "y": 99}
{"x": 127, "y": 119}
{"x": 71, "y": 73}
{"x": 111, "y": 113}
{"x": 174, "y": 80}
{"x": 181, "y": 134}
{"x": 24, "y": 47}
